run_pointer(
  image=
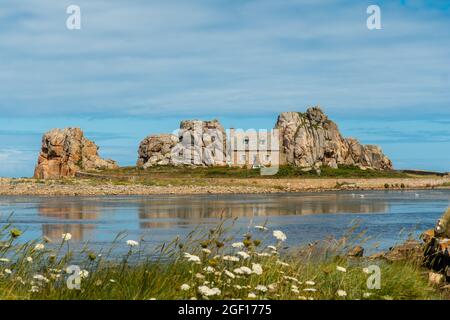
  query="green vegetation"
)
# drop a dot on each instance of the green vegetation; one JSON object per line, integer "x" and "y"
{"x": 287, "y": 171}
{"x": 206, "y": 265}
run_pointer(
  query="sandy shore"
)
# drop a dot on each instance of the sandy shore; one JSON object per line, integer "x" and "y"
{"x": 85, "y": 187}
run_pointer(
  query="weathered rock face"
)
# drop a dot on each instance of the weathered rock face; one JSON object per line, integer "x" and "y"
{"x": 196, "y": 143}
{"x": 312, "y": 140}
{"x": 65, "y": 152}
{"x": 156, "y": 150}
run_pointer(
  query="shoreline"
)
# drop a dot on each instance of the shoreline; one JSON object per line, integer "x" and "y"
{"x": 86, "y": 187}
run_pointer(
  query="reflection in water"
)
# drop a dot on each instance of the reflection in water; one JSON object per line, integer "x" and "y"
{"x": 195, "y": 209}
{"x": 305, "y": 217}
{"x": 72, "y": 215}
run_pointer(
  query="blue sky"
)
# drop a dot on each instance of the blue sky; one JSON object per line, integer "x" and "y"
{"x": 138, "y": 67}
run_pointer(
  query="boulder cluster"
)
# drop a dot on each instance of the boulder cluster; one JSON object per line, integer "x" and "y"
{"x": 308, "y": 140}
{"x": 64, "y": 152}
{"x": 196, "y": 143}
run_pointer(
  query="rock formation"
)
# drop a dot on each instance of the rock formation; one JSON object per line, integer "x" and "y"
{"x": 312, "y": 140}
{"x": 196, "y": 143}
{"x": 65, "y": 152}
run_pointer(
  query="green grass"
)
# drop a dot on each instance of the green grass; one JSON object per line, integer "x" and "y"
{"x": 28, "y": 273}
{"x": 286, "y": 171}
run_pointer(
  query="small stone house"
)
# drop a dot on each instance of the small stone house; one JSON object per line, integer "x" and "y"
{"x": 253, "y": 149}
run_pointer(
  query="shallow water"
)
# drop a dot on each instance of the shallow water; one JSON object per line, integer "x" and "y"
{"x": 388, "y": 216}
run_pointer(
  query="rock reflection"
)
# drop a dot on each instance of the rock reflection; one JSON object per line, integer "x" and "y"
{"x": 72, "y": 216}
{"x": 164, "y": 213}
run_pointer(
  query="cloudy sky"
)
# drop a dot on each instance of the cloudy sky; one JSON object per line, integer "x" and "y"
{"x": 137, "y": 67}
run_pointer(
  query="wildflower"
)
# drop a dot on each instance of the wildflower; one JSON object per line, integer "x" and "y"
{"x": 185, "y": 287}
{"x": 310, "y": 283}
{"x": 261, "y": 288}
{"x": 341, "y": 269}
{"x": 30, "y": 259}
{"x": 193, "y": 298}
{"x": 206, "y": 291}
{"x": 257, "y": 269}
{"x": 272, "y": 248}
{"x": 261, "y": 228}
{"x": 229, "y": 274}
{"x": 47, "y": 239}
{"x": 295, "y": 290}
{"x": 302, "y": 298}
{"x": 132, "y": 243}
{"x": 66, "y": 236}
{"x": 34, "y": 289}
{"x": 262, "y": 254}
{"x": 84, "y": 274}
{"x": 8, "y": 271}
{"x": 292, "y": 279}
{"x": 243, "y": 254}
{"x": 238, "y": 245}
{"x": 341, "y": 293}
{"x": 15, "y": 233}
{"x": 310, "y": 290}
{"x": 243, "y": 270}
{"x": 279, "y": 235}
{"x": 207, "y": 251}
{"x": 251, "y": 295}
{"x": 366, "y": 270}
{"x": 282, "y": 263}
{"x": 39, "y": 247}
{"x": 4, "y": 260}
{"x": 92, "y": 256}
{"x": 272, "y": 286}
{"x": 230, "y": 258}
{"x": 112, "y": 281}
{"x": 199, "y": 276}
{"x": 209, "y": 269}
{"x": 192, "y": 258}
{"x": 367, "y": 294}
{"x": 237, "y": 286}
{"x": 40, "y": 277}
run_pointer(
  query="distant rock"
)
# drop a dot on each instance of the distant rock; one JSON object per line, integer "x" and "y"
{"x": 65, "y": 152}
{"x": 310, "y": 139}
{"x": 196, "y": 143}
{"x": 156, "y": 150}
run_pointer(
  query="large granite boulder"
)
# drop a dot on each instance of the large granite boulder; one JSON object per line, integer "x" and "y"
{"x": 156, "y": 150}
{"x": 310, "y": 139}
{"x": 196, "y": 143}
{"x": 64, "y": 152}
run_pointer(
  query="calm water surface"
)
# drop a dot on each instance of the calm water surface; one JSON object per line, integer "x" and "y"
{"x": 388, "y": 216}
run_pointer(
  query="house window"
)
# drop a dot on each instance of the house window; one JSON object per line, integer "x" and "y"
{"x": 262, "y": 141}
{"x": 246, "y": 140}
{"x": 243, "y": 157}
{"x": 268, "y": 157}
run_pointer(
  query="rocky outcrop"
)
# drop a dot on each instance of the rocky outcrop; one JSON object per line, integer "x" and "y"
{"x": 312, "y": 140}
{"x": 156, "y": 150}
{"x": 65, "y": 152}
{"x": 196, "y": 143}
